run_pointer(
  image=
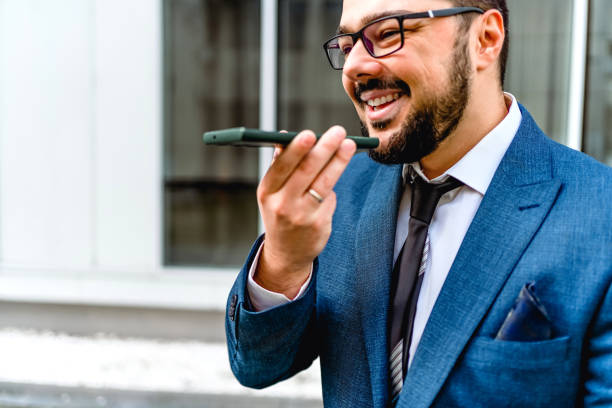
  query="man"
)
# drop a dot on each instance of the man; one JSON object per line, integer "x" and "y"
{"x": 413, "y": 310}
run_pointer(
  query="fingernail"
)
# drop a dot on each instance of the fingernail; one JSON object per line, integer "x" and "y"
{"x": 307, "y": 138}
{"x": 348, "y": 146}
{"x": 339, "y": 130}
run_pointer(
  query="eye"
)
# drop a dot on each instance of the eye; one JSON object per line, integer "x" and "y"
{"x": 387, "y": 34}
{"x": 346, "y": 49}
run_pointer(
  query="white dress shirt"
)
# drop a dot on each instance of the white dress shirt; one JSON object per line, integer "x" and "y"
{"x": 450, "y": 222}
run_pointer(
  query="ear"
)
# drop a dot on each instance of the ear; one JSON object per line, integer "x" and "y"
{"x": 491, "y": 35}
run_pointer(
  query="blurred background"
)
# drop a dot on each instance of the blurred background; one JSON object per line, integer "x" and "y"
{"x": 121, "y": 233}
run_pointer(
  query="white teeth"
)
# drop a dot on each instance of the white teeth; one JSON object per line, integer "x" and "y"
{"x": 385, "y": 99}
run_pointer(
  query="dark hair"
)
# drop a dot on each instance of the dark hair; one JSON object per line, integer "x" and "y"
{"x": 488, "y": 5}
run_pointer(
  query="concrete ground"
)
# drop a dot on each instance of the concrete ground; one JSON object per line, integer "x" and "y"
{"x": 43, "y": 369}
{"x": 44, "y": 396}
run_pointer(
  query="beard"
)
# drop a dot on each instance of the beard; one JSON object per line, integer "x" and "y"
{"x": 431, "y": 121}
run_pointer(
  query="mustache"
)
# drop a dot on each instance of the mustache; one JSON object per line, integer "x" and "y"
{"x": 381, "y": 84}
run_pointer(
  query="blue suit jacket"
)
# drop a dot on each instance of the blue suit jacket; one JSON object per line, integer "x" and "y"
{"x": 546, "y": 217}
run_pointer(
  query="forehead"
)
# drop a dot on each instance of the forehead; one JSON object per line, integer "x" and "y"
{"x": 356, "y": 13}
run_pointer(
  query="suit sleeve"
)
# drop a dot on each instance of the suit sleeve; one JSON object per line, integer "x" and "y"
{"x": 272, "y": 345}
{"x": 598, "y": 384}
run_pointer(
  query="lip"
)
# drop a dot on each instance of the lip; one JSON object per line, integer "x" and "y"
{"x": 378, "y": 93}
{"x": 386, "y": 112}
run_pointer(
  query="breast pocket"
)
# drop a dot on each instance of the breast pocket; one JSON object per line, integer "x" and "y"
{"x": 496, "y": 373}
{"x": 486, "y": 352}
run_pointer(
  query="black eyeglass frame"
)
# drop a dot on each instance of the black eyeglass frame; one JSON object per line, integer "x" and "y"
{"x": 400, "y": 17}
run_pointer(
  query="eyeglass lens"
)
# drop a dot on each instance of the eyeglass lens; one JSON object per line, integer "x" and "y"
{"x": 381, "y": 38}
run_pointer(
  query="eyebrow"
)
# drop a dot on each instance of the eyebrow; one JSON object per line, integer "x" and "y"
{"x": 371, "y": 17}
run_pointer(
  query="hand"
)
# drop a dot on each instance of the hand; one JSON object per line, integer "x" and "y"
{"x": 298, "y": 225}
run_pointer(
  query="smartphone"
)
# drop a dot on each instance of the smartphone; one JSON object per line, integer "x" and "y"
{"x": 255, "y": 138}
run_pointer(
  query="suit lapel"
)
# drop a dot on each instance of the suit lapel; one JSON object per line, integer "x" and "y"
{"x": 375, "y": 237}
{"x": 516, "y": 203}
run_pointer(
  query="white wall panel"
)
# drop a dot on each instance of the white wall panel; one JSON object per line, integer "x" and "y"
{"x": 80, "y": 133}
{"x": 128, "y": 49}
{"x": 45, "y": 132}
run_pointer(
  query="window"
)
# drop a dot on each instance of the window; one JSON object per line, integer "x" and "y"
{"x": 211, "y": 82}
{"x": 310, "y": 92}
{"x": 598, "y": 101}
{"x": 538, "y": 64}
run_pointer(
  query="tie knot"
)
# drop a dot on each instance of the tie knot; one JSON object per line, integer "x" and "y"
{"x": 425, "y": 197}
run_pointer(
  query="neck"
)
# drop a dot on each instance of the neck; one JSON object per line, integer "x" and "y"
{"x": 479, "y": 118}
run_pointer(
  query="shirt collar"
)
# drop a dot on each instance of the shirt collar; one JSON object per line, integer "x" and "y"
{"x": 477, "y": 167}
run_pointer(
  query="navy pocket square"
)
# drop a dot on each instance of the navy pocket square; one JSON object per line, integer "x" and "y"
{"x": 527, "y": 320}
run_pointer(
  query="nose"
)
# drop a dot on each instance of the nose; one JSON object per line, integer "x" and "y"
{"x": 360, "y": 65}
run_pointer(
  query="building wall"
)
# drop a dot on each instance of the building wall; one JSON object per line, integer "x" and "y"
{"x": 81, "y": 158}
{"x": 80, "y": 134}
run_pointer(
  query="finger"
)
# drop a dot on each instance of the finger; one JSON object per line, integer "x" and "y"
{"x": 278, "y": 149}
{"x": 328, "y": 205}
{"x": 324, "y": 214}
{"x": 286, "y": 161}
{"x": 328, "y": 177}
{"x": 310, "y": 167}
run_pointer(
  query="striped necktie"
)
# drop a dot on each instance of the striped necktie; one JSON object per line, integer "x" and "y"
{"x": 408, "y": 275}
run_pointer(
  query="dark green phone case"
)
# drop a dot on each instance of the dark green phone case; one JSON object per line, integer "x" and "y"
{"x": 255, "y": 138}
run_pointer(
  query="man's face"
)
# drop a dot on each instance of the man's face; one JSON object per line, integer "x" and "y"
{"x": 413, "y": 99}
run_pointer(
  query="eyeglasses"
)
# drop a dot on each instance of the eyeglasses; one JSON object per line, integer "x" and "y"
{"x": 383, "y": 36}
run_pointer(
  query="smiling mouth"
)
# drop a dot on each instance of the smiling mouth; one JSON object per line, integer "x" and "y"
{"x": 374, "y": 100}
{"x": 379, "y": 93}
{"x": 382, "y": 102}
{"x": 382, "y": 106}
